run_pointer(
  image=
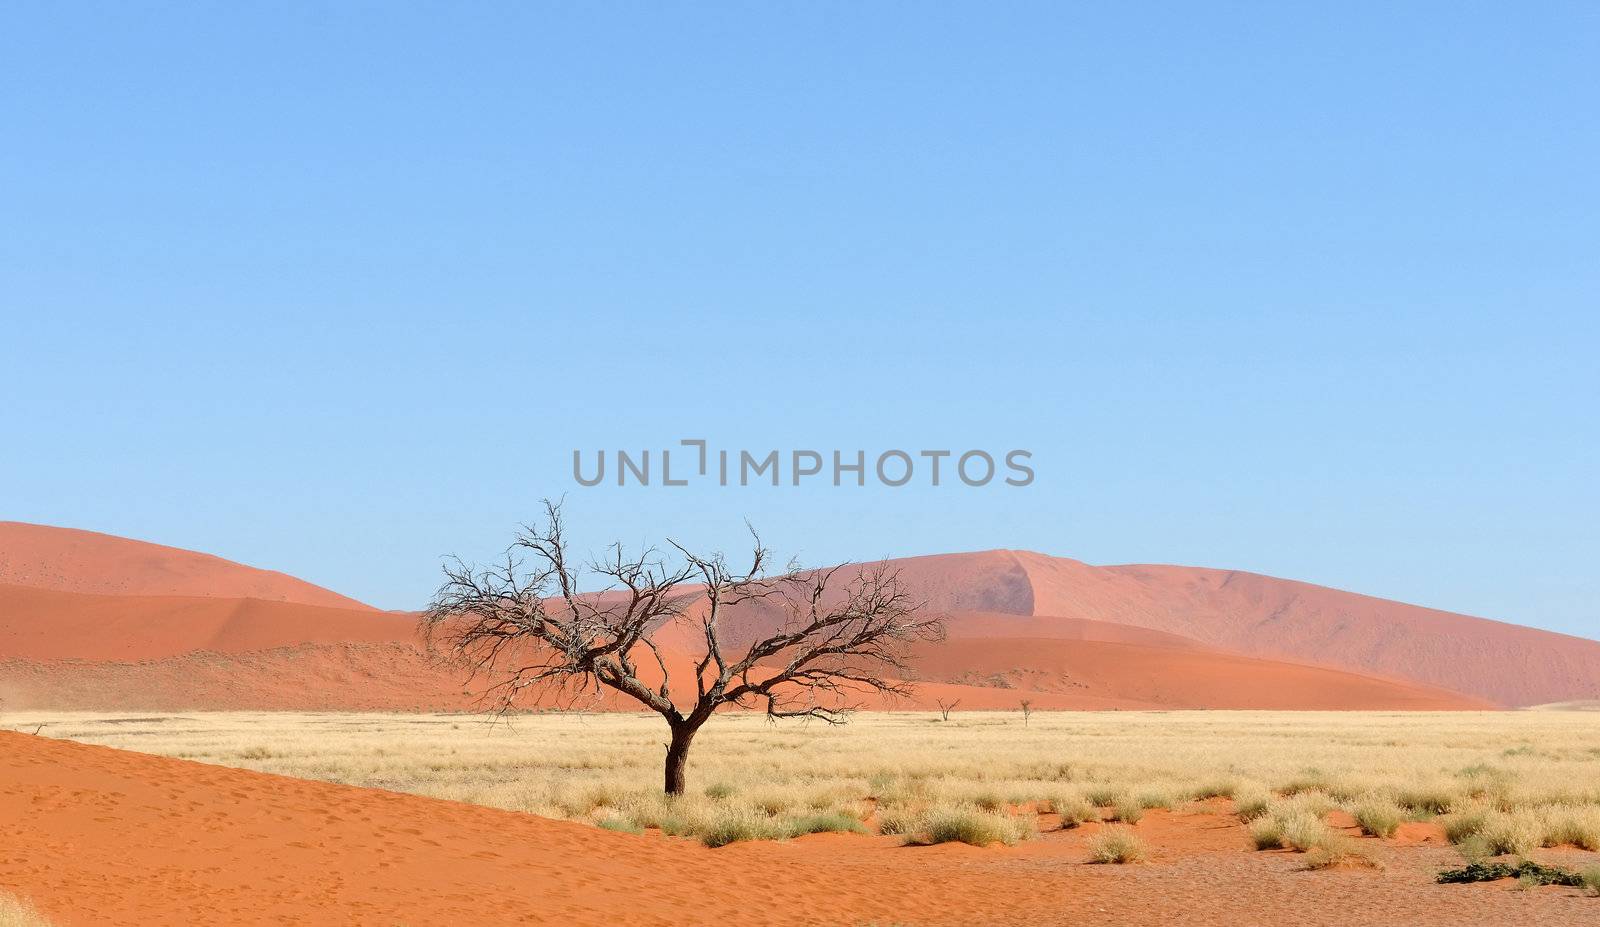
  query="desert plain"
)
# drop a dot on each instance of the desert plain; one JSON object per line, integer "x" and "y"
{"x": 193, "y": 741}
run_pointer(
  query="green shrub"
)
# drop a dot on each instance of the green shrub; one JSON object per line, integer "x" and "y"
{"x": 1523, "y": 871}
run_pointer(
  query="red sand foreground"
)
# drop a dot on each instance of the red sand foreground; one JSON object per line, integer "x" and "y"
{"x": 93, "y": 835}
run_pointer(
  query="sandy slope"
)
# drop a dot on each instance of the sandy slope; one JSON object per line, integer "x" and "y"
{"x": 70, "y": 560}
{"x": 99, "y": 836}
{"x": 1141, "y": 675}
{"x": 46, "y": 624}
{"x": 74, "y": 651}
{"x": 1275, "y": 618}
{"x": 166, "y": 644}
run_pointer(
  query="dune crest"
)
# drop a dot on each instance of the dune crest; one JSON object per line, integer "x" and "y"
{"x": 70, "y": 560}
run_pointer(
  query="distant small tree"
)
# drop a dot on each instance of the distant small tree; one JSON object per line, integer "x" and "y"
{"x": 946, "y": 707}
{"x": 1027, "y": 711}
{"x": 526, "y": 627}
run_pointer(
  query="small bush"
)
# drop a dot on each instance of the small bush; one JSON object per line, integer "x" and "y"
{"x": 978, "y": 828}
{"x": 834, "y": 822}
{"x": 1102, "y": 795}
{"x": 1266, "y": 832}
{"x": 1155, "y": 799}
{"x": 1590, "y": 878}
{"x": 1578, "y": 825}
{"x": 1505, "y": 833}
{"x": 735, "y": 826}
{"x": 1431, "y": 799}
{"x": 1303, "y": 831}
{"x": 989, "y": 801}
{"x": 720, "y": 790}
{"x": 1465, "y": 824}
{"x": 1073, "y": 810}
{"x": 1251, "y": 804}
{"x": 1127, "y": 810}
{"x": 1379, "y": 818}
{"x": 1116, "y": 845}
{"x": 1221, "y": 788}
{"x": 898, "y": 821}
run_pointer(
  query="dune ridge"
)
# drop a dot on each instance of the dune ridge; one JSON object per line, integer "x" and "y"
{"x": 1200, "y": 622}
{"x": 72, "y": 560}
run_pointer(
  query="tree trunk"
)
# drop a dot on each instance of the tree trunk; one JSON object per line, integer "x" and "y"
{"x": 678, "y": 757}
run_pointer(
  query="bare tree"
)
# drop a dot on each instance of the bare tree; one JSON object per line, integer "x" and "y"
{"x": 526, "y": 626}
{"x": 1027, "y": 710}
{"x": 946, "y": 707}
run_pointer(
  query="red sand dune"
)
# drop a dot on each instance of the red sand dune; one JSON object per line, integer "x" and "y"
{"x": 1275, "y": 618}
{"x": 1135, "y": 675}
{"x": 93, "y": 835}
{"x": 43, "y": 624}
{"x": 165, "y": 647}
{"x": 70, "y": 560}
{"x": 69, "y": 651}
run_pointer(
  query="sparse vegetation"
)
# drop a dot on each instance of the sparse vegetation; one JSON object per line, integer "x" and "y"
{"x": 1525, "y": 871}
{"x": 1266, "y": 832}
{"x": 1073, "y": 810}
{"x": 1590, "y": 878}
{"x": 893, "y": 770}
{"x": 1116, "y": 845}
{"x": 978, "y": 828}
{"x": 1127, "y": 809}
{"x": 1379, "y": 818}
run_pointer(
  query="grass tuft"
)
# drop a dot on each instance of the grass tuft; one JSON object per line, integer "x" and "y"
{"x": 1117, "y": 845}
{"x": 14, "y": 912}
{"x": 1379, "y": 818}
{"x": 977, "y": 828}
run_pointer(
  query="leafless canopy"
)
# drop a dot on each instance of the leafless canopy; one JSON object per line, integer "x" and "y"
{"x": 830, "y": 635}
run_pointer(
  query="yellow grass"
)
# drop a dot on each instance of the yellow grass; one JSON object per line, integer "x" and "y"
{"x": 1525, "y": 778}
{"x": 15, "y": 912}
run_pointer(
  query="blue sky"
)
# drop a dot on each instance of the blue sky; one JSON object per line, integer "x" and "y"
{"x": 337, "y": 290}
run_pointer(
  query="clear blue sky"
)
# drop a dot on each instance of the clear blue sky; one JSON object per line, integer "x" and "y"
{"x": 336, "y": 289}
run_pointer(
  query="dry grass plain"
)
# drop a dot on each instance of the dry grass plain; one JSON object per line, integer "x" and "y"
{"x": 1497, "y": 782}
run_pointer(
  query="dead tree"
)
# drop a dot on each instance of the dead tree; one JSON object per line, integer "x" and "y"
{"x": 1027, "y": 711}
{"x": 528, "y": 626}
{"x": 946, "y": 707}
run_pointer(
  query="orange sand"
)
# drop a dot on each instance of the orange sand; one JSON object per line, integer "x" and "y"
{"x": 84, "y": 561}
{"x": 93, "y": 835}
